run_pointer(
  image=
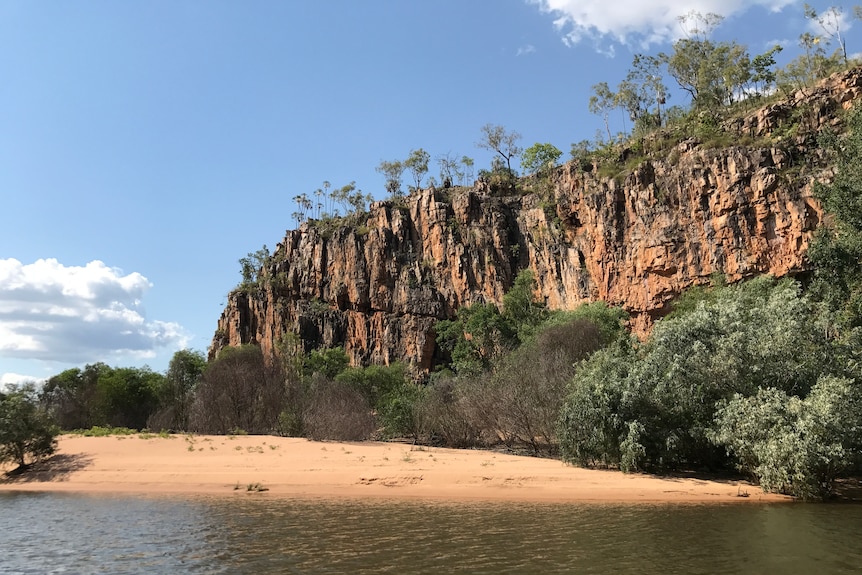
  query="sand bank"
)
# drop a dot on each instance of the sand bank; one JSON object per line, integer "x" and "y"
{"x": 293, "y": 467}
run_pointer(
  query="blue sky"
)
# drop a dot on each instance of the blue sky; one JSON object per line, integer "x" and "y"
{"x": 146, "y": 146}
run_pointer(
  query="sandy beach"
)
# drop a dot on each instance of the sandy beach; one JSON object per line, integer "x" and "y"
{"x": 291, "y": 467}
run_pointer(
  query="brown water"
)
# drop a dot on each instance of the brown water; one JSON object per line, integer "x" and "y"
{"x": 57, "y": 533}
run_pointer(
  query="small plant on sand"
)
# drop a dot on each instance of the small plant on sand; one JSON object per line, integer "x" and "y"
{"x": 98, "y": 431}
{"x": 256, "y": 488}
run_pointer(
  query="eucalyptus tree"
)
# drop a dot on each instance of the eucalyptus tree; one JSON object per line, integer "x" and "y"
{"x": 417, "y": 164}
{"x": 392, "y": 172}
{"x": 602, "y": 102}
{"x": 502, "y": 142}
{"x": 832, "y": 22}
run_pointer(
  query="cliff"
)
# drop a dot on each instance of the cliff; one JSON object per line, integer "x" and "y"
{"x": 668, "y": 219}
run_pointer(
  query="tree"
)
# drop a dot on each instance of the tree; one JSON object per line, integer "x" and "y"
{"x": 417, "y": 164}
{"x": 328, "y": 362}
{"x": 497, "y": 139}
{"x": 176, "y": 395}
{"x": 252, "y": 266}
{"x": 239, "y": 390}
{"x": 711, "y": 72}
{"x": 836, "y": 251}
{"x": 520, "y": 308}
{"x": 763, "y": 76}
{"x": 26, "y": 430}
{"x": 540, "y": 159}
{"x": 478, "y": 335}
{"x": 466, "y": 173}
{"x": 392, "y": 172}
{"x": 645, "y": 82}
{"x": 72, "y": 397}
{"x": 809, "y": 66}
{"x": 830, "y": 21}
{"x": 602, "y": 102}
{"x": 128, "y": 396}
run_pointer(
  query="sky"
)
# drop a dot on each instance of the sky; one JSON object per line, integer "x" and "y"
{"x": 146, "y": 146}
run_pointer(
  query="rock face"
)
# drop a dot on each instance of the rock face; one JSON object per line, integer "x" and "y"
{"x": 636, "y": 240}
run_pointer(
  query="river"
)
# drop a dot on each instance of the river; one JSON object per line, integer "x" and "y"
{"x": 255, "y": 534}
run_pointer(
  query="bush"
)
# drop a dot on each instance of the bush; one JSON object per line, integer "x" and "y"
{"x": 375, "y": 382}
{"x": 652, "y": 405}
{"x": 442, "y": 416}
{"x": 399, "y": 411}
{"x": 792, "y": 445}
{"x": 336, "y": 411}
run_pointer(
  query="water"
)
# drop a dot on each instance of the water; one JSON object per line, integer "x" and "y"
{"x": 60, "y": 533}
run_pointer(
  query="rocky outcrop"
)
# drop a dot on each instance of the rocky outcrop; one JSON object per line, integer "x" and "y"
{"x": 637, "y": 240}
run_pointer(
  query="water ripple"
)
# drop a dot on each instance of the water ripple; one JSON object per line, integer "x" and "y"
{"x": 65, "y": 534}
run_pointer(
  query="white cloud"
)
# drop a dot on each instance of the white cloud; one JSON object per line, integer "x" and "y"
{"x": 8, "y": 379}
{"x": 76, "y": 314}
{"x": 642, "y": 22}
{"x": 523, "y": 50}
{"x": 784, "y": 43}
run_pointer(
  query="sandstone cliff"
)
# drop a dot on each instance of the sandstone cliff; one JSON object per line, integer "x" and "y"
{"x": 669, "y": 221}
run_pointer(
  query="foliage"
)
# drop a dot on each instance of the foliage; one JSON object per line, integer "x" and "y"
{"x": 481, "y": 333}
{"x": 375, "y": 382}
{"x": 398, "y": 410}
{"x": 442, "y": 415}
{"x": 176, "y": 395}
{"x": 71, "y": 397}
{"x": 475, "y": 337}
{"x": 540, "y": 159}
{"x": 610, "y": 321}
{"x": 793, "y": 445}
{"x": 26, "y": 430}
{"x": 328, "y": 362}
{"x": 100, "y": 431}
{"x": 251, "y": 269}
{"x": 417, "y": 164}
{"x": 713, "y": 73}
{"x": 814, "y": 63}
{"x": 651, "y": 405}
{"x": 102, "y": 395}
{"x": 831, "y": 21}
{"x": 836, "y": 251}
{"x": 331, "y": 203}
{"x": 520, "y": 309}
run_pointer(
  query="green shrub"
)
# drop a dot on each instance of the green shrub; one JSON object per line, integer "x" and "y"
{"x": 792, "y": 445}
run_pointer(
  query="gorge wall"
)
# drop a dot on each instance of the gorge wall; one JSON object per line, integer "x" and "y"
{"x": 636, "y": 240}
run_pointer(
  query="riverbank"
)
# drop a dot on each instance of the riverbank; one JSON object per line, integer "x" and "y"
{"x": 292, "y": 467}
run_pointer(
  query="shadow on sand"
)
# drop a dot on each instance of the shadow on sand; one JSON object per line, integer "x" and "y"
{"x": 55, "y": 468}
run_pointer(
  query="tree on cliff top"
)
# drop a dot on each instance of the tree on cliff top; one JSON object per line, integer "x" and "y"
{"x": 417, "y": 163}
{"x": 392, "y": 172}
{"x": 497, "y": 139}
